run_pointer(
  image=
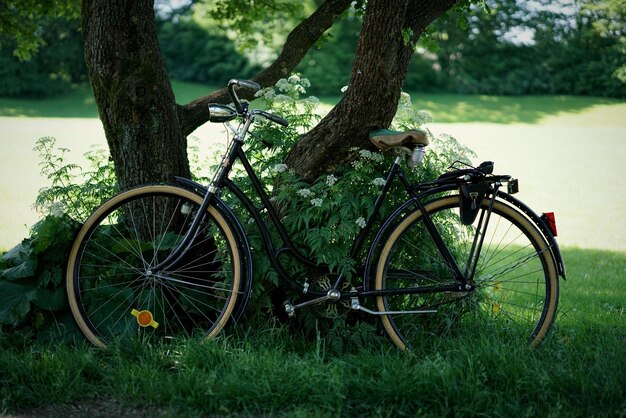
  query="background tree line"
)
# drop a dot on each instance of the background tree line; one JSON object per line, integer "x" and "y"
{"x": 515, "y": 47}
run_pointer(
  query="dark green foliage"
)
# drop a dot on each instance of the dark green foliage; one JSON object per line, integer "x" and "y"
{"x": 467, "y": 50}
{"x": 579, "y": 53}
{"x": 32, "y": 274}
{"x": 194, "y": 53}
{"x": 328, "y": 66}
{"x": 23, "y": 23}
{"x": 49, "y": 72}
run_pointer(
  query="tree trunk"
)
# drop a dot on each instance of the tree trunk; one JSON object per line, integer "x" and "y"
{"x": 384, "y": 51}
{"x": 132, "y": 91}
{"x": 145, "y": 129}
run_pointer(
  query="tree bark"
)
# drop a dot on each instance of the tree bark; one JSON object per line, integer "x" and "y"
{"x": 132, "y": 91}
{"x": 385, "y": 48}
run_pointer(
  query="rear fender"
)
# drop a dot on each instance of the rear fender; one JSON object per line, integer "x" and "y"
{"x": 543, "y": 227}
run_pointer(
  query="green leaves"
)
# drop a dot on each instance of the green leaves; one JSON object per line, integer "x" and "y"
{"x": 21, "y": 259}
{"x": 31, "y": 273}
{"x": 22, "y": 21}
{"x": 15, "y": 302}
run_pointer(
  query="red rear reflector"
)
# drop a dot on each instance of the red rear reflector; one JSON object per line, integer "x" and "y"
{"x": 550, "y": 220}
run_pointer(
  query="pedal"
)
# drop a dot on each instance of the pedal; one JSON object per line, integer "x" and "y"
{"x": 290, "y": 310}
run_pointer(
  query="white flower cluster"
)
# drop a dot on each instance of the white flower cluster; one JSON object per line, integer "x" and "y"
{"x": 267, "y": 93}
{"x": 305, "y": 193}
{"x": 57, "y": 209}
{"x": 372, "y": 156}
{"x": 280, "y": 168}
{"x": 361, "y": 222}
{"x": 409, "y": 118}
{"x": 331, "y": 180}
{"x": 293, "y": 84}
{"x": 405, "y": 99}
{"x": 379, "y": 181}
{"x": 317, "y": 202}
{"x": 287, "y": 90}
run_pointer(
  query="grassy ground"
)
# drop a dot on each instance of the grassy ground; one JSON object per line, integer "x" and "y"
{"x": 577, "y": 372}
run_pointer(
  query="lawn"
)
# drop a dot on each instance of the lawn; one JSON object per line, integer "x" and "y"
{"x": 568, "y": 153}
{"x": 273, "y": 370}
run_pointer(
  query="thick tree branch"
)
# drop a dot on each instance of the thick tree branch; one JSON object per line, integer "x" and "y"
{"x": 381, "y": 62}
{"x": 299, "y": 41}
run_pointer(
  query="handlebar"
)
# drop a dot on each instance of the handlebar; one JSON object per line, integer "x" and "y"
{"x": 250, "y": 85}
{"x": 222, "y": 113}
{"x": 272, "y": 117}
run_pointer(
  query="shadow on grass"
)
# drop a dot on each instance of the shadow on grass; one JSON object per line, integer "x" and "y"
{"x": 453, "y": 108}
{"x": 80, "y": 103}
{"x": 445, "y": 108}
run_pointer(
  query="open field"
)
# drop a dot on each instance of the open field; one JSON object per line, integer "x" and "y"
{"x": 568, "y": 153}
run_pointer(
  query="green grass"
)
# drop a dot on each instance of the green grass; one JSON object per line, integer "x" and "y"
{"x": 455, "y": 108}
{"x": 271, "y": 371}
{"x": 80, "y": 103}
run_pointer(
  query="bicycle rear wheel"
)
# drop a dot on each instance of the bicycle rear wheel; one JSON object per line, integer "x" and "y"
{"x": 515, "y": 281}
{"x": 115, "y": 294}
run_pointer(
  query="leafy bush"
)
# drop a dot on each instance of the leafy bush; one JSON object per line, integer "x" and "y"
{"x": 194, "y": 53}
{"x": 324, "y": 218}
{"x": 32, "y": 274}
{"x": 52, "y": 70}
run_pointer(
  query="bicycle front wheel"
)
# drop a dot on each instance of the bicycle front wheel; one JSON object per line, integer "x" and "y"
{"x": 514, "y": 285}
{"x": 113, "y": 291}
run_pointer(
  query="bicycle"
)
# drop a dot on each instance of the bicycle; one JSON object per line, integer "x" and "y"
{"x": 169, "y": 260}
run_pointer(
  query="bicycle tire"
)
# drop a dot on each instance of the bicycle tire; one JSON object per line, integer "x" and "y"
{"x": 112, "y": 292}
{"x": 516, "y": 281}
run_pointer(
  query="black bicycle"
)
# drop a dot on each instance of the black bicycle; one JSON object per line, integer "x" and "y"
{"x": 168, "y": 260}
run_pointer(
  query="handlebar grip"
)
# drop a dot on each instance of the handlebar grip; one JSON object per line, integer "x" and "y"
{"x": 246, "y": 83}
{"x": 274, "y": 118}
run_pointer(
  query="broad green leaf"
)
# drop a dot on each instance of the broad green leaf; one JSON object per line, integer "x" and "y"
{"x": 17, "y": 254}
{"x": 26, "y": 268}
{"x": 14, "y": 302}
{"x": 52, "y": 300}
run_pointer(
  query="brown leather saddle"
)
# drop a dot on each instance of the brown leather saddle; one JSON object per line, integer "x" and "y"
{"x": 392, "y": 142}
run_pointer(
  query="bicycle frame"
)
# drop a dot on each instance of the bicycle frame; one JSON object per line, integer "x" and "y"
{"x": 418, "y": 195}
{"x": 222, "y": 181}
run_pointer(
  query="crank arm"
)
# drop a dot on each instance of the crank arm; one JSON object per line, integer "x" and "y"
{"x": 332, "y": 295}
